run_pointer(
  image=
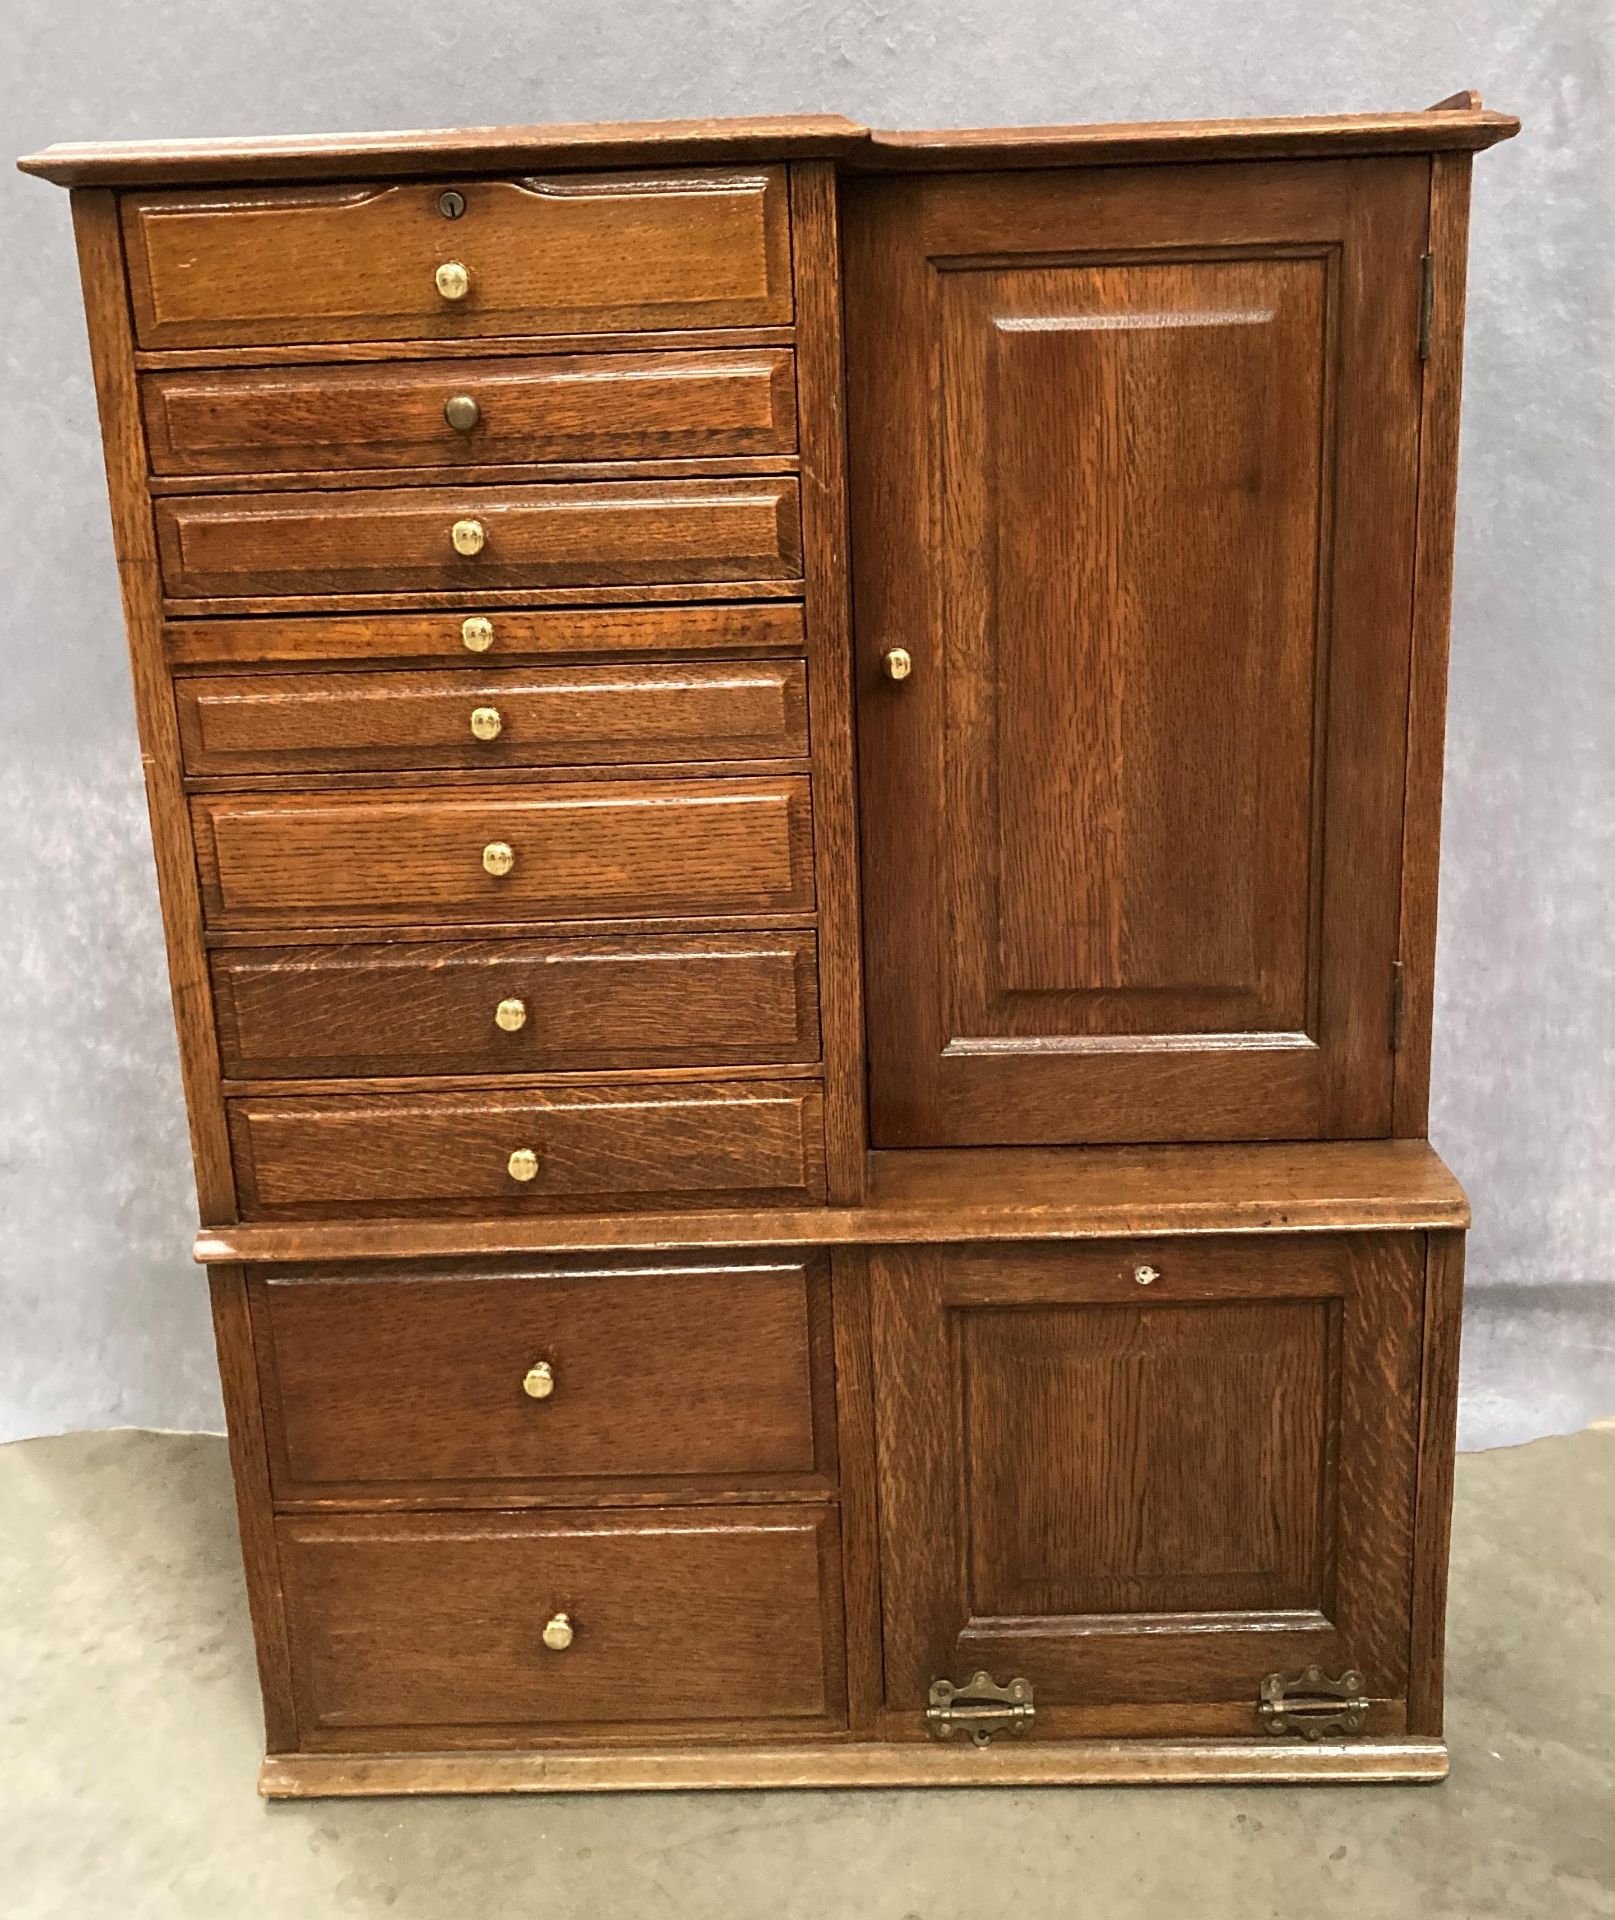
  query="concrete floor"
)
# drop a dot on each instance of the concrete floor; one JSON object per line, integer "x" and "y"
{"x": 129, "y": 1706}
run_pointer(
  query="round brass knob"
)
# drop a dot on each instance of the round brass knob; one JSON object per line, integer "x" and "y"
{"x": 477, "y": 633}
{"x": 897, "y": 663}
{"x": 486, "y": 723}
{"x": 498, "y": 857}
{"x": 461, "y": 412}
{"x": 510, "y": 1016}
{"x": 469, "y": 536}
{"x": 522, "y": 1164}
{"x": 538, "y": 1383}
{"x": 558, "y": 1632}
{"x": 452, "y": 280}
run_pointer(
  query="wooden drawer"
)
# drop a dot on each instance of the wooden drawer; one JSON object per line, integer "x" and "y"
{"x": 642, "y": 1144}
{"x": 581, "y": 850}
{"x": 615, "y": 533}
{"x": 557, "y": 254}
{"x": 697, "y": 1000}
{"x": 675, "y": 1369}
{"x": 553, "y": 407}
{"x": 547, "y": 716}
{"x": 473, "y": 634}
{"x": 680, "y": 1617}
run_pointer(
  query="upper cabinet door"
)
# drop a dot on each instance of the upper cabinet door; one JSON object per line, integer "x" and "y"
{"x": 1134, "y": 462}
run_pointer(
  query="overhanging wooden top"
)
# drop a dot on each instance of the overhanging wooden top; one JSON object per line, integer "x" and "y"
{"x": 1460, "y": 124}
{"x": 949, "y": 1195}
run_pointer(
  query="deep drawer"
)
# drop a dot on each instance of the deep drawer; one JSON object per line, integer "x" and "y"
{"x": 566, "y": 1149}
{"x": 565, "y": 253}
{"x": 548, "y": 716}
{"x": 552, "y": 407}
{"x": 520, "y": 1006}
{"x": 416, "y": 539}
{"x": 576, "y": 850}
{"x": 670, "y": 1369}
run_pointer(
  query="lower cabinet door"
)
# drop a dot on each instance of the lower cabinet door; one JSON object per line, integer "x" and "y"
{"x": 1143, "y": 1476}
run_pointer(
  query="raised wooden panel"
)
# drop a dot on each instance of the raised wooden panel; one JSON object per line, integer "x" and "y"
{"x": 1134, "y": 460}
{"x": 670, "y": 1369}
{"x": 422, "y": 1626}
{"x": 428, "y": 1007}
{"x": 555, "y": 407}
{"x": 567, "y": 253}
{"x": 1148, "y": 1473}
{"x": 616, "y": 533}
{"x": 582, "y": 850}
{"x": 632, "y": 1145}
{"x": 546, "y": 717}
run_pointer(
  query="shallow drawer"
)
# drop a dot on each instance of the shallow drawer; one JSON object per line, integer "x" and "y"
{"x": 564, "y": 253}
{"x": 577, "y": 850}
{"x": 466, "y": 636}
{"x": 458, "y": 413}
{"x": 670, "y": 1616}
{"x": 566, "y": 1149}
{"x": 520, "y": 1006}
{"x": 676, "y": 1369}
{"x": 547, "y": 716}
{"x": 616, "y": 533}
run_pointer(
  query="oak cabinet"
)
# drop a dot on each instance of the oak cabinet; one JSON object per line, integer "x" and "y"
{"x": 795, "y": 776}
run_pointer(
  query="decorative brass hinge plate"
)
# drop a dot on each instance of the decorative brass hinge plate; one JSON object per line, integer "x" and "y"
{"x": 1312, "y": 1705}
{"x": 980, "y": 1708}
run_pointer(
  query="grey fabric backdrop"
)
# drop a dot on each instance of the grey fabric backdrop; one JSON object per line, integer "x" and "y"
{"x": 102, "y": 1318}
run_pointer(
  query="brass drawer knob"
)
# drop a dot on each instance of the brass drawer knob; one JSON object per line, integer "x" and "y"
{"x": 897, "y": 663}
{"x": 522, "y": 1164}
{"x": 476, "y": 634}
{"x": 558, "y": 1632}
{"x": 498, "y": 857}
{"x": 469, "y": 536}
{"x": 452, "y": 280}
{"x": 510, "y": 1016}
{"x": 1146, "y": 1276}
{"x": 538, "y": 1383}
{"x": 486, "y": 723}
{"x": 461, "y": 412}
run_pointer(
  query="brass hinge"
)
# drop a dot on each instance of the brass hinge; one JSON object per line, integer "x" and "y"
{"x": 1312, "y": 1704}
{"x": 1427, "y": 301}
{"x": 1399, "y": 1003}
{"x": 980, "y": 1708}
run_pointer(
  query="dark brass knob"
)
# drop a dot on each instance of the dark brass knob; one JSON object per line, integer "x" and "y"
{"x": 897, "y": 663}
{"x": 461, "y": 412}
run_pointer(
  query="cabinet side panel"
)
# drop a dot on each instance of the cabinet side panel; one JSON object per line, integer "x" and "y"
{"x": 95, "y": 222}
{"x": 1438, "y": 1437}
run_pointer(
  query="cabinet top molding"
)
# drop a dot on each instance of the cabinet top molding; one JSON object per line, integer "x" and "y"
{"x": 1457, "y": 124}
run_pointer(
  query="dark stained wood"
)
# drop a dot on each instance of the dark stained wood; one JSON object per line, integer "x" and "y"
{"x": 559, "y": 253}
{"x": 626, "y": 533}
{"x": 671, "y": 1370}
{"x": 633, "y": 846}
{"x": 380, "y": 639}
{"x": 644, "y": 1144}
{"x": 551, "y": 716}
{"x": 403, "y": 1008}
{"x": 860, "y": 1513}
{"x": 564, "y": 407}
{"x": 1127, "y": 827}
{"x": 1438, "y": 1443}
{"x": 423, "y": 1626}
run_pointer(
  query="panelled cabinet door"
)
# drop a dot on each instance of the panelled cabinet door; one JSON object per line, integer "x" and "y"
{"x": 1143, "y": 1476}
{"x": 1134, "y": 460}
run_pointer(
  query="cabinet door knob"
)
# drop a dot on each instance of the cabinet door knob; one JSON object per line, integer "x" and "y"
{"x": 452, "y": 280}
{"x": 498, "y": 857}
{"x": 897, "y": 663}
{"x": 476, "y": 634}
{"x": 538, "y": 1383}
{"x": 559, "y": 1632}
{"x": 486, "y": 723}
{"x": 469, "y": 536}
{"x": 461, "y": 412}
{"x": 522, "y": 1164}
{"x": 510, "y": 1016}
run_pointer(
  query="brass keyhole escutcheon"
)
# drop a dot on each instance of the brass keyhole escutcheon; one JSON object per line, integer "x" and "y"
{"x": 559, "y": 1632}
{"x": 498, "y": 857}
{"x": 897, "y": 663}
{"x": 453, "y": 280}
{"x": 451, "y": 204}
{"x": 539, "y": 1381}
{"x": 522, "y": 1165}
{"x": 1146, "y": 1276}
{"x": 462, "y": 412}
{"x": 510, "y": 1016}
{"x": 486, "y": 723}
{"x": 469, "y": 536}
{"x": 476, "y": 634}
